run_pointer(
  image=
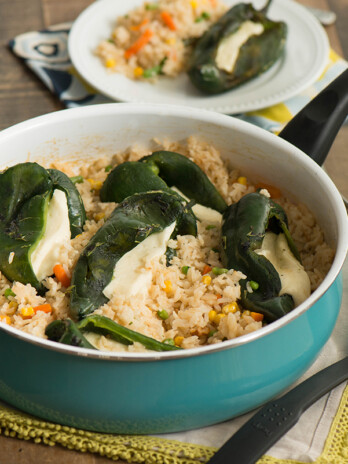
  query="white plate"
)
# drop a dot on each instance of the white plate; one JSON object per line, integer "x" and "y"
{"x": 305, "y": 57}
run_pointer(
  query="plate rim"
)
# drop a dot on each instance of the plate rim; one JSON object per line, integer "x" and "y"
{"x": 316, "y": 30}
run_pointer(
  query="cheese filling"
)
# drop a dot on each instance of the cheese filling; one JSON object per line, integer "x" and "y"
{"x": 293, "y": 277}
{"x": 131, "y": 275}
{"x": 228, "y": 50}
{"x": 203, "y": 213}
{"x": 57, "y": 234}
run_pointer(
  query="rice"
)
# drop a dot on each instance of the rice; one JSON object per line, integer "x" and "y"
{"x": 202, "y": 308}
{"x": 168, "y": 46}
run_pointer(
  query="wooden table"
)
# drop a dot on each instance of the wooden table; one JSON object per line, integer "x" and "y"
{"x": 23, "y": 96}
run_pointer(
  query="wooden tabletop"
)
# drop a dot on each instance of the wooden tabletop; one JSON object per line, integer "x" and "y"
{"x": 23, "y": 96}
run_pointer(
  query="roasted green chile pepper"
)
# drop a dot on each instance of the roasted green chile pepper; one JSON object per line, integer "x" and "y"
{"x": 220, "y": 62}
{"x": 244, "y": 227}
{"x": 158, "y": 171}
{"x": 25, "y": 193}
{"x": 70, "y": 333}
{"x": 77, "y": 214}
{"x": 133, "y": 220}
{"x": 67, "y": 332}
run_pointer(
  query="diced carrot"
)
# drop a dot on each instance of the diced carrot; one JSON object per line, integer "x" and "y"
{"x": 273, "y": 191}
{"x": 173, "y": 54}
{"x": 45, "y": 308}
{"x": 257, "y": 316}
{"x": 140, "y": 25}
{"x": 206, "y": 269}
{"x": 218, "y": 296}
{"x": 213, "y": 3}
{"x": 61, "y": 275}
{"x": 168, "y": 20}
{"x": 5, "y": 319}
{"x": 138, "y": 44}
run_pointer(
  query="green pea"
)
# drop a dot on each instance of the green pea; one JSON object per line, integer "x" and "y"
{"x": 202, "y": 17}
{"x": 163, "y": 314}
{"x": 211, "y": 333}
{"x": 185, "y": 269}
{"x": 108, "y": 168}
{"x": 8, "y": 292}
{"x": 154, "y": 168}
{"x": 76, "y": 179}
{"x": 210, "y": 226}
{"x": 151, "y": 6}
{"x": 254, "y": 285}
{"x": 219, "y": 270}
{"x": 169, "y": 341}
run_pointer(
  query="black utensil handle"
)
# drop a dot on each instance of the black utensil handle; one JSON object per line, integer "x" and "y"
{"x": 315, "y": 127}
{"x": 271, "y": 422}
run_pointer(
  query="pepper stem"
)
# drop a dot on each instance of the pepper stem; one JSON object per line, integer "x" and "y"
{"x": 265, "y": 8}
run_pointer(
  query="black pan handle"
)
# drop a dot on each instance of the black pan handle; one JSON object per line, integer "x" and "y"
{"x": 315, "y": 127}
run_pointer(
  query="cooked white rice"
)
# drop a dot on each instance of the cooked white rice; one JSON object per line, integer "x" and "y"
{"x": 202, "y": 307}
{"x": 167, "y": 41}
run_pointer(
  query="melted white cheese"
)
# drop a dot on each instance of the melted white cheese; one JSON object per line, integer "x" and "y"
{"x": 293, "y": 277}
{"x": 57, "y": 233}
{"x": 131, "y": 277}
{"x": 228, "y": 49}
{"x": 203, "y": 213}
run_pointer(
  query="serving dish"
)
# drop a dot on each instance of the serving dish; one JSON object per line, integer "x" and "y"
{"x": 172, "y": 391}
{"x": 306, "y": 55}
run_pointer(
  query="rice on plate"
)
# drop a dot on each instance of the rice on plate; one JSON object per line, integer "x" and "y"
{"x": 156, "y": 38}
{"x": 193, "y": 301}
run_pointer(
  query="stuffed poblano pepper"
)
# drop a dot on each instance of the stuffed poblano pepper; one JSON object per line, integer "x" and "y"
{"x": 242, "y": 44}
{"x": 70, "y": 333}
{"x": 257, "y": 242}
{"x": 162, "y": 170}
{"x": 115, "y": 258}
{"x": 41, "y": 211}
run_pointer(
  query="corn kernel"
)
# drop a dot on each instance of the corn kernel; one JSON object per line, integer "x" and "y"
{"x": 99, "y": 216}
{"x": 138, "y": 71}
{"x": 230, "y": 308}
{"x": 193, "y": 3}
{"x": 168, "y": 287}
{"x": 5, "y": 319}
{"x": 246, "y": 313}
{"x": 178, "y": 340}
{"x": 27, "y": 312}
{"x": 206, "y": 279}
{"x": 242, "y": 180}
{"x": 212, "y": 315}
{"x": 171, "y": 41}
{"x": 95, "y": 184}
{"x": 110, "y": 63}
{"x": 218, "y": 318}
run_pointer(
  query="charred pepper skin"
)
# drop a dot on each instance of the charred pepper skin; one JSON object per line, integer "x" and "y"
{"x": 255, "y": 56}
{"x": 71, "y": 333}
{"x": 66, "y": 332}
{"x": 25, "y": 192}
{"x": 160, "y": 171}
{"x": 179, "y": 171}
{"x": 244, "y": 226}
{"x": 76, "y": 209}
{"x": 133, "y": 220}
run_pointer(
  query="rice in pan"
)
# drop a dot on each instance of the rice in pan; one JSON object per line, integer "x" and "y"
{"x": 187, "y": 302}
